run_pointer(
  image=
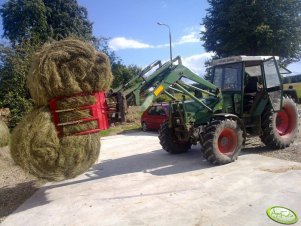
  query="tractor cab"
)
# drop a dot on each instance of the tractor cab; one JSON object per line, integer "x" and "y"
{"x": 247, "y": 84}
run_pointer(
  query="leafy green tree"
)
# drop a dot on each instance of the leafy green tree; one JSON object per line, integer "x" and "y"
{"x": 208, "y": 75}
{"x": 40, "y": 20}
{"x": 24, "y": 19}
{"x": 254, "y": 27}
{"x": 122, "y": 74}
{"x": 65, "y": 18}
{"x": 13, "y": 92}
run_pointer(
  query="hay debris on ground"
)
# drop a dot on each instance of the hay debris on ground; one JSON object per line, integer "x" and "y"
{"x": 61, "y": 69}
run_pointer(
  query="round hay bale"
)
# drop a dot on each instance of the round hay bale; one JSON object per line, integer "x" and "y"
{"x": 61, "y": 69}
{"x": 37, "y": 148}
{"x": 4, "y": 134}
{"x": 66, "y": 67}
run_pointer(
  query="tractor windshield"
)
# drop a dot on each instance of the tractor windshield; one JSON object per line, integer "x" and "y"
{"x": 228, "y": 77}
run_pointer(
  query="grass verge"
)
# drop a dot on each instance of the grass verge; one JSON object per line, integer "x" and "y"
{"x": 121, "y": 128}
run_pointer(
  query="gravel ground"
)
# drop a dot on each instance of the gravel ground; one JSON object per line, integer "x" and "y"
{"x": 16, "y": 186}
{"x": 292, "y": 153}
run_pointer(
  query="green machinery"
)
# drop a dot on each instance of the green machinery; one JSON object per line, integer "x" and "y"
{"x": 245, "y": 97}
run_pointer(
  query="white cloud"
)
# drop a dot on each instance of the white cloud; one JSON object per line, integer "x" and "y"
{"x": 119, "y": 43}
{"x": 124, "y": 43}
{"x": 192, "y": 37}
{"x": 162, "y": 45}
{"x": 196, "y": 62}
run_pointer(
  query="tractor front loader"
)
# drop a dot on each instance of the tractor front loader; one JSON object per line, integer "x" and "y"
{"x": 244, "y": 97}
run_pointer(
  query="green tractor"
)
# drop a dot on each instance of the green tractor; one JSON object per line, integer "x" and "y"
{"x": 245, "y": 97}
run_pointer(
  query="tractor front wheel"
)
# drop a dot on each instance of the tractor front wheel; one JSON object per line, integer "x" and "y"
{"x": 170, "y": 143}
{"x": 279, "y": 129}
{"x": 223, "y": 141}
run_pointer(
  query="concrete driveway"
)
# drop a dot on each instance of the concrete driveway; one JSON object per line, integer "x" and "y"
{"x": 135, "y": 182}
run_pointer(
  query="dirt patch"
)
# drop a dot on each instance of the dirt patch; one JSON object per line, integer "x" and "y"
{"x": 15, "y": 185}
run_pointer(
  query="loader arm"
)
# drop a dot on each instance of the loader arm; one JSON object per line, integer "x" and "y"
{"x": 161, "y": 79}
{"x": 169, "y": 76}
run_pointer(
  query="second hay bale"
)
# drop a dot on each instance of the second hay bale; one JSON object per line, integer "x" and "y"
{"x": 61, "y": 69}
{"x": 4, "y": 134}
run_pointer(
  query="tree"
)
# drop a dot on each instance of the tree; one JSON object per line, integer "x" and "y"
{"x": 249, "y": 27}
{"x": 65, "y": 18}
{"x": 13, "y": 92}
{"x": 24, "y": 19}
{"x": 40, "y": 20}
{"x": 122, "y": 74}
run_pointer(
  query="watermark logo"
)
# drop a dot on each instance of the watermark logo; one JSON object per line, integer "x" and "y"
{"x": 282, "y": 215}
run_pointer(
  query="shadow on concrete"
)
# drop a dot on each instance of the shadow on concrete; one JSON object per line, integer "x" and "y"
{"x": 158, "y": 162}
{"x": 11, "y": 197}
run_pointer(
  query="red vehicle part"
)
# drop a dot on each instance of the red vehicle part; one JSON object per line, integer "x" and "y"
{"x": 227, "y": 141}
{"x": 155, "y": 116}
{"x": 98, "y": 112}
{"x": 286, "y": 120}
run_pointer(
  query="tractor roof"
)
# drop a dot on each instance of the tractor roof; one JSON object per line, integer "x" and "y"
{"x": 235, "y": 59}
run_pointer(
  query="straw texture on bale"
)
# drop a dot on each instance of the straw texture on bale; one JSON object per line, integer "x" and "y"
{"x": 61, "y": 69}
{"x": 37, "y": 148}
{"x": 4, "y": 134}
{"x": 65, "y": 68}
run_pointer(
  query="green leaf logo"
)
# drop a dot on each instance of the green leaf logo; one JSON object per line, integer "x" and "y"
{"x": 282, "y": 215}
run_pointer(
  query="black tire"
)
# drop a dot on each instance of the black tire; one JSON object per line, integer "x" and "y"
{"x": 280, "y": 129}
{"x": 169, "y": 142}
{"x": 223, "y": 141}
{"x": 144, "y": 126}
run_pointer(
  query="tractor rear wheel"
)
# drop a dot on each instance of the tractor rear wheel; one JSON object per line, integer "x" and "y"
{"x": 170, "y": 143}
{"x": 279, "y": 129}
{"x": 223, "y": 141}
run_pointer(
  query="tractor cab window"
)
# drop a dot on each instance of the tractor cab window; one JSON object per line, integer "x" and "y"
{"x": 228, "y": 77}
{"x": 271, "y": 74}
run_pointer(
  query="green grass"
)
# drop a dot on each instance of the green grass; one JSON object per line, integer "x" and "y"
{"x": 121, "y": 128}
